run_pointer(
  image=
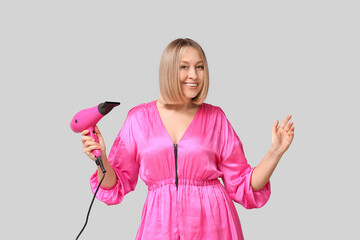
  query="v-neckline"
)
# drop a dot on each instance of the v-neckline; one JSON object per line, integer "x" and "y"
{"x": 187, "y": 129}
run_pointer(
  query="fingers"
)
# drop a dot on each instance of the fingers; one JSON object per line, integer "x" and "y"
{"x": 274, "y": 127}
{"x": 291, "y": 132}
{"x": 276, "y": 124}
{"x": 85, "y": 132}
{"x": 97, "y": 131}
{"x": 287, "y": 128}
{"x": 86, "y": 137}
{"x": 98, "y": 134}
{"x": 101, "y": 139}
{"x": 89, "y": 153}
{"x": 286, "y": 120}
{"x": 89, "y": 148}
{"x": 89, "y": 143}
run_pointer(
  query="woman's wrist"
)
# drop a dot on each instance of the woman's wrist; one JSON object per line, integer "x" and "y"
{"x": 275, "y": 152}
{"x": 105, "y": 163}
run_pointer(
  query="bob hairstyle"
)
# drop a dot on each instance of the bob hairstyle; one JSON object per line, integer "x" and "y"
{"x": 170, "y": 87}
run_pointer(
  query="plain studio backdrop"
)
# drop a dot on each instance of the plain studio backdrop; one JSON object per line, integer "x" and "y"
{"x": 267, "y": 59}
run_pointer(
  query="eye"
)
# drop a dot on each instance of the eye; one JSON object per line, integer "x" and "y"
{"x": 183, "y": 67}
{"x": 200, "y": 67}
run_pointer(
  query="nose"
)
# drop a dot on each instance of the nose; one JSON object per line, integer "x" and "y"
{"x": 192, "y": 73}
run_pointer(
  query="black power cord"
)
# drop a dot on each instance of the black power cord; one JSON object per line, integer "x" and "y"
{"x": 92, "y": 201}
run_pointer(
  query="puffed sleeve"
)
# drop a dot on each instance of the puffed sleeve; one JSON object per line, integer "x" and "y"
{"x": 236, "y": 171}
{"x": 123, "y": 159}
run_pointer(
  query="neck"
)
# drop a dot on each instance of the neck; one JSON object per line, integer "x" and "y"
{"x": 181, "y": 106}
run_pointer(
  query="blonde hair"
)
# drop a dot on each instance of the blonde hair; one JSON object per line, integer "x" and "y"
{"x": 170, "y": 87}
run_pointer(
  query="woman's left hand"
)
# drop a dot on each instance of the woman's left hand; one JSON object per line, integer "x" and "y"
{"x": 282, "y": 136}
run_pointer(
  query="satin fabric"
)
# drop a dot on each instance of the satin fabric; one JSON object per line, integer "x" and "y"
{"x": 200, "y": 207}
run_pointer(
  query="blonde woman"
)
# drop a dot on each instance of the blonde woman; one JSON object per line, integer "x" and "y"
{"x": 180, "y": 146}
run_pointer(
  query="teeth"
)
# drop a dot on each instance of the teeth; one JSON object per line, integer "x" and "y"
{"x": 191, "y": 84}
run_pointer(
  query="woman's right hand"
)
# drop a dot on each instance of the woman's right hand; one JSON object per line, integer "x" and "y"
{"x": 89, "y": 143}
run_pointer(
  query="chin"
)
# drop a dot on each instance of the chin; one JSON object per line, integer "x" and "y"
{"x": 190, "y": 94}
{"x": 191, "y": 97}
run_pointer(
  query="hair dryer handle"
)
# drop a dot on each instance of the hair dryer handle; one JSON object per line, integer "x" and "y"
{"x": 96, "y": 152}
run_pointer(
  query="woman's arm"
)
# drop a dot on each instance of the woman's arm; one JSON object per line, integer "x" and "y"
{"x": 281, "y": 138}
{"x": 110, "y": 176}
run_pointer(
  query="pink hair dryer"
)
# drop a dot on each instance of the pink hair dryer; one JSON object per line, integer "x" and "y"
{"x": 87, "y": 119}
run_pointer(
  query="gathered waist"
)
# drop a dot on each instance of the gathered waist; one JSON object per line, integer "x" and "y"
{"x": 157, "y": 184}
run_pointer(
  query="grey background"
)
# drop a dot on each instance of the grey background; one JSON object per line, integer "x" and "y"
{"x": 267, "y": 59}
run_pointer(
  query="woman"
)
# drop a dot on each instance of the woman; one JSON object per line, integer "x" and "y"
{"x": 180, "y": 146}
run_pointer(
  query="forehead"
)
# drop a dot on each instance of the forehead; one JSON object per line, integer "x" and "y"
{"x": 190, "y": 54}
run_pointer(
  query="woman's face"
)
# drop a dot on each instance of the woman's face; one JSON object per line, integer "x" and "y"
{"x": 191, "y": 73}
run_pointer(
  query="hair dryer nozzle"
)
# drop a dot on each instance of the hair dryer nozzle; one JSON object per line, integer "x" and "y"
{"x": 106, "y": 107}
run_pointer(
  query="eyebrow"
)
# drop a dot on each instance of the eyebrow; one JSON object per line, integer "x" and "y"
{"x": 188, "y": 62}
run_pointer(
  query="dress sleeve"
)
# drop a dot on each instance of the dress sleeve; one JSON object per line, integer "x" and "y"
{"x": 123, "y": 159}
{"x": 236, "y": 171}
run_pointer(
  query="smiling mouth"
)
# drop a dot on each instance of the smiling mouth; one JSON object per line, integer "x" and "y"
{"x": 191, "y": 84}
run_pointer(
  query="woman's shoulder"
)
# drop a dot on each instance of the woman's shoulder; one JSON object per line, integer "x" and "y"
{"x": 213, "y": 109}
{"x": 142, "y": 109}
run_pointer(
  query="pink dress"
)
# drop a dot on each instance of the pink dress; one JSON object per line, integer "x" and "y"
{"x": 185, "y": 200}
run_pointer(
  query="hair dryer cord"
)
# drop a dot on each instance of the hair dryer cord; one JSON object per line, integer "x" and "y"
{"x": 92, "y": 201}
